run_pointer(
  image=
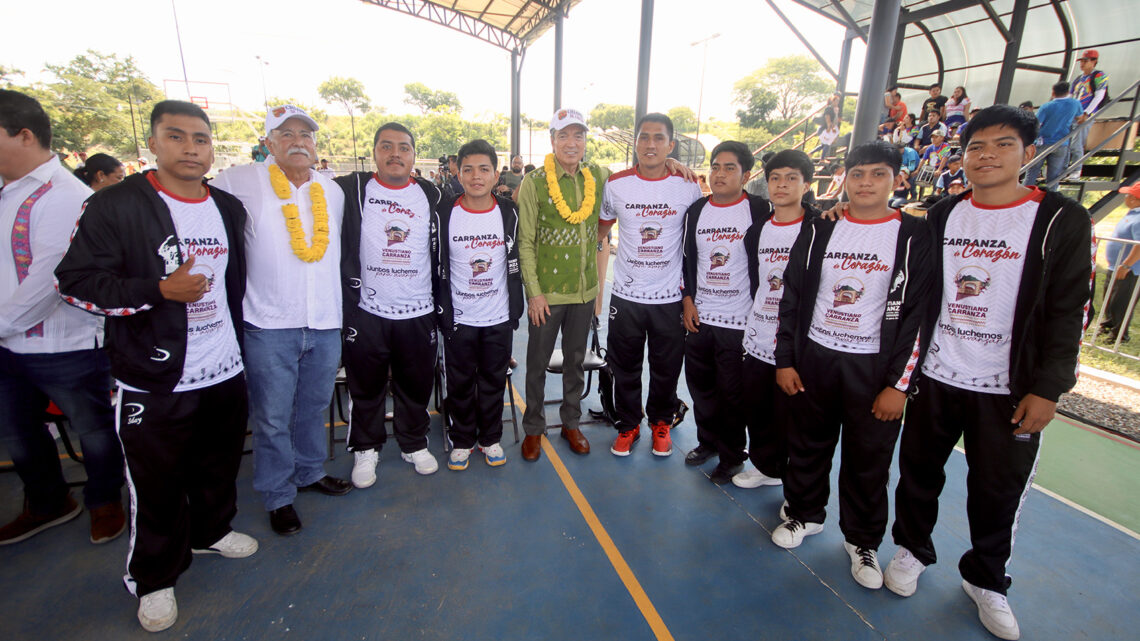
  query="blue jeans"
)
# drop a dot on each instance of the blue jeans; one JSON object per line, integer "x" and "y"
{"x": 80, "y": 384}
{"x": 290, "y": 374}
{"x": 1054, "y": 163}
{"x": 1077, "y": 144}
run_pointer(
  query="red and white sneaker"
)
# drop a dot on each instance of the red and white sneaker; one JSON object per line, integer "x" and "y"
{"x": 662, "y": 441}
{"x": 625, "y": 440}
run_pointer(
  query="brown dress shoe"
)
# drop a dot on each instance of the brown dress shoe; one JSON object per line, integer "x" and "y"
{"x": 107, "y": 522}
{"x": 577, "y": 440}
{"x": 531, "y": 447}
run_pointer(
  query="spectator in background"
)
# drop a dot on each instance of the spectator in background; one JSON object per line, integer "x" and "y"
{"x": 1056, "y": 118}
{"x": 925, "y": 133}
{"x": 259, "y": 153}
{"x": 758, "y": 186}
{"x": 101, "y": 170}
{"x": 896, "y": 111}
{"x": 1091, "y": 89}
{"x": 901, "y": 195}
{"x": 936, "y": 102}
{"x": 936, "y": 153}
{"x": 957, "y": 109}
{"x": 828, "y": 134}
{"x": 1116, "y": 310}
{"x": 452, "y": 189}
{"x": 953, "y": 172}
{"x": 905, "y": 132}
{"x": 513, "y": 178}
{"x": 325, "y": 170}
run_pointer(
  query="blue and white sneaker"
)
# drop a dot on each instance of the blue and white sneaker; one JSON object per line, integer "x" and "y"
{"x": 494, "y": 454}
{"x": 458, "y": 459}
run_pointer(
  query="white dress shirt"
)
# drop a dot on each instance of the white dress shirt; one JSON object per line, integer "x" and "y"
{"x": 283, "y": 291}
{"x": 25, "y": 305}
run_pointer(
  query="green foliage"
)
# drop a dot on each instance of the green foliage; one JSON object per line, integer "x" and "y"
{"x": 349, "y": 92}
{"x": 603, "y": 152}
{"x": 427, "y": 99}
{"x": 794, "y": 81}
{"x": 605, "y": 116}
{"x": 7, "y": 73}
{"x": 684, "y": 120}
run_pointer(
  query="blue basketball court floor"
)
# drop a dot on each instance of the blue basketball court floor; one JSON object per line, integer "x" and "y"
{"x": 570, "y": 547}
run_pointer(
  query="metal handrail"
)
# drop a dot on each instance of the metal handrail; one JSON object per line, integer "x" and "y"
{"x": 790, "y": 129}
{"x": 1121, "y": 331}
{"x": 1042, "y": 154}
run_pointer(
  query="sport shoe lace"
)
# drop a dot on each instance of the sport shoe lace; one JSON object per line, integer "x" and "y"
{"x": 792, "y": 525}
{"x": 661, "y": 430}
{"x": 866, "y": 557}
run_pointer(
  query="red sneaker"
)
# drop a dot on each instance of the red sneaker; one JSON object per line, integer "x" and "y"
{"x": 625, "y": 440}
{"x": 662, "y": 442}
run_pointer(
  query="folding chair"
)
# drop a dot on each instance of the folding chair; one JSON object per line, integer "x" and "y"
{"x": 593, "y": 361}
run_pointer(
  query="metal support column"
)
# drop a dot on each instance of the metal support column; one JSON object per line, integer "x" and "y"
{"x": 844, "y": 68}
{"x": 642, "y": 104}
{"x": 516, "y": 106}
{"x": 880, "y": 42}
{"x": 558, "y": 58}
{"x": 1012, "y": 48}
{"x": 896, "y": 51}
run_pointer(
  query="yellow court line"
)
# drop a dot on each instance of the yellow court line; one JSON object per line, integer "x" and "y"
{"x": 632, "y": 585}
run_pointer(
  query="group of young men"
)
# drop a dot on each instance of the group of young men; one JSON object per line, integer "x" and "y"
{"x": 789, "y": 324}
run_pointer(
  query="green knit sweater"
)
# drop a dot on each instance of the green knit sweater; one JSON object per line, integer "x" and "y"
{"x": 559, "y": 260}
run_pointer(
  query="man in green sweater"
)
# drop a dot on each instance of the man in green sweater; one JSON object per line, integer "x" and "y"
{"x": 558, "y": 246}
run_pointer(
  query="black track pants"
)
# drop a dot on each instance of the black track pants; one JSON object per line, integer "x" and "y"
{"x": 631, "y": 324}
{"x": 476, "y": 360}
{"x": 372, "y": 346}
{"x": 713, "y": 368}
{"x": 765, "y": 410}
{"x": 182, "y": 450}
{"x": 1001, "y": 465}
{"x": 839, "y": 390}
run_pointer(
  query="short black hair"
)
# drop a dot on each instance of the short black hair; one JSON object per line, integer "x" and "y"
{"x": 1060, "y": 88}
{"x": 791, "y": 158}
{"x": 393, "y": 126}
{"x": 873, "y": 153}
{"x": 452, "y": 158}
{"x": 766, "y": 156}
{"x": 97, "y": 163}
{"x": 476, "y": 148}
{"x": 176, "y": 108}
{"x": 20, "y": 111}
{"x": 743, "y": 156}
{"x": 936, "y": 85}
{"x": 1017, "y": 119}
{"x": 658, "y": 118}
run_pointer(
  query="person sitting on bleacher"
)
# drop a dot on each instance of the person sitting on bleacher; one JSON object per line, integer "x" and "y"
{"x": 933, "y": 125}
{"x": 935, "y": 155}
{"x": 953, "y": 172}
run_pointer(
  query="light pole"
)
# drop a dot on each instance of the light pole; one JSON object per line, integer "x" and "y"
{"x": 261, "y": 64}
{"x": 704, "y": 63}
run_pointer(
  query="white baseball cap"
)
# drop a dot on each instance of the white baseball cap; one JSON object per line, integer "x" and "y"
{"x": 278, "y": 115}
{"x": 563, "y": 118}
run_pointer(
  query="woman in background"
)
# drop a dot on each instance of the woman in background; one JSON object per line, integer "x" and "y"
{"x": 101, "y": 171}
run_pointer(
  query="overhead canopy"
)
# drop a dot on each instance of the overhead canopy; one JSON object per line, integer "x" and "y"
{"x": 510, "y": 24}
{"x": 960, "y": 43}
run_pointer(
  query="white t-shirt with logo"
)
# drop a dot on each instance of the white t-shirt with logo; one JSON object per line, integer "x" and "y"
{"x": 723, "y": 294}
{"x": 855, "y": 276}
{"x": 212, "y": 352}
{"x": 395, "y": 258}
{"x": 651, "y": 230}
{"x": 983, "y": 254}
{"x": 773, "y": 251}
{"x": 477, "y": 246}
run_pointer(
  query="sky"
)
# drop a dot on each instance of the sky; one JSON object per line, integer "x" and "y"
{"x": 306, "y": 42}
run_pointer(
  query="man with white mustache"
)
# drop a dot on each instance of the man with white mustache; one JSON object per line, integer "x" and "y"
{"x": 292, "y": 311}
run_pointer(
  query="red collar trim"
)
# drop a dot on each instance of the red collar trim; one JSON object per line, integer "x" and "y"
{"x": 743, "y": 195}
{"x": 386, "y": 185}
{"x": 152, "y": 178}
{"x": 642, "y": 176}
{"x": 790, "y": 222}
{"x": 1035, "y": 195}
{"x": 476, "y": 211}
{"x": 894, "y": 215}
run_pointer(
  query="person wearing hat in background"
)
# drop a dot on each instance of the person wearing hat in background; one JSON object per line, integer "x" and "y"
{"x": 1056, "y": 121}
{"x": 558, "y": 244}
{"x": 292, "y": 311}
{"x": 1124, "y": 266}
{"x": 1091, "y": 89}
{"x": 953, "y": 172}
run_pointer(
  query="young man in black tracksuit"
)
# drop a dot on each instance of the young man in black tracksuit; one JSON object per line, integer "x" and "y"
{"x": 769, "y": 243}
{"x": 389, "y": 305}
{"x": 479, "y": 299}
{"x": 162, "y": 256}
{"x": 1013, "y": 267}
{"x": 846, "y": 349}
{"x": 717, "y": 299}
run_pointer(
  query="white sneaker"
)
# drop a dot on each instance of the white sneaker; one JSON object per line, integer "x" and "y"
{"x": 458, "y": 459}
{"x": 494, "y": 454}
{"x": 234, "y": 545}
{"x": 864, "y": 566}
{"x": 993, "y": 610}
{"x": 902, "y": 573}
{"x": 752, "y": 477}
{"x": 423, "y": 460}
{"x": 791, "y": 532}
{"x": 364, "y": 468}
{"x": 158, "y": 610}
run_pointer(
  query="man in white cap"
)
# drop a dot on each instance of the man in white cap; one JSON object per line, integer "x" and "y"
{"x": 558, "y": 244}
{"x": 292, "y": 311}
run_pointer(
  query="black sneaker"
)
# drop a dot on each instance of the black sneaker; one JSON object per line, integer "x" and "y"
{"x": 723, "y": 473}
{"x": 699, "y": 454}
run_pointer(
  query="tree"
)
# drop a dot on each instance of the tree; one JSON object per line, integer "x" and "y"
{"x": 756, "y": 101}
{"x": 607, "y": 116}
{"x": 6, "y": 74}
{"x": 349, "y": 92}
{"x": 427, "y": 99}
{"x": 683, "y": 119}
{"x": 794, "y": 81}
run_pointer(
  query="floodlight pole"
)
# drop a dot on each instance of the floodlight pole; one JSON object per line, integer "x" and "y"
{"x": 558, "y": 37}
{"x": 704, "y": 63}
{"x": 876, "y": 67}
{"x": 642, "y": 104}
{"x": 181, "y": 56}
{"x": 261, "y": 64}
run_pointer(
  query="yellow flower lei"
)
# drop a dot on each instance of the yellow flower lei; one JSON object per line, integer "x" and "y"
{"x": 309, "y": 254}
{"x": 572, "y": 217}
